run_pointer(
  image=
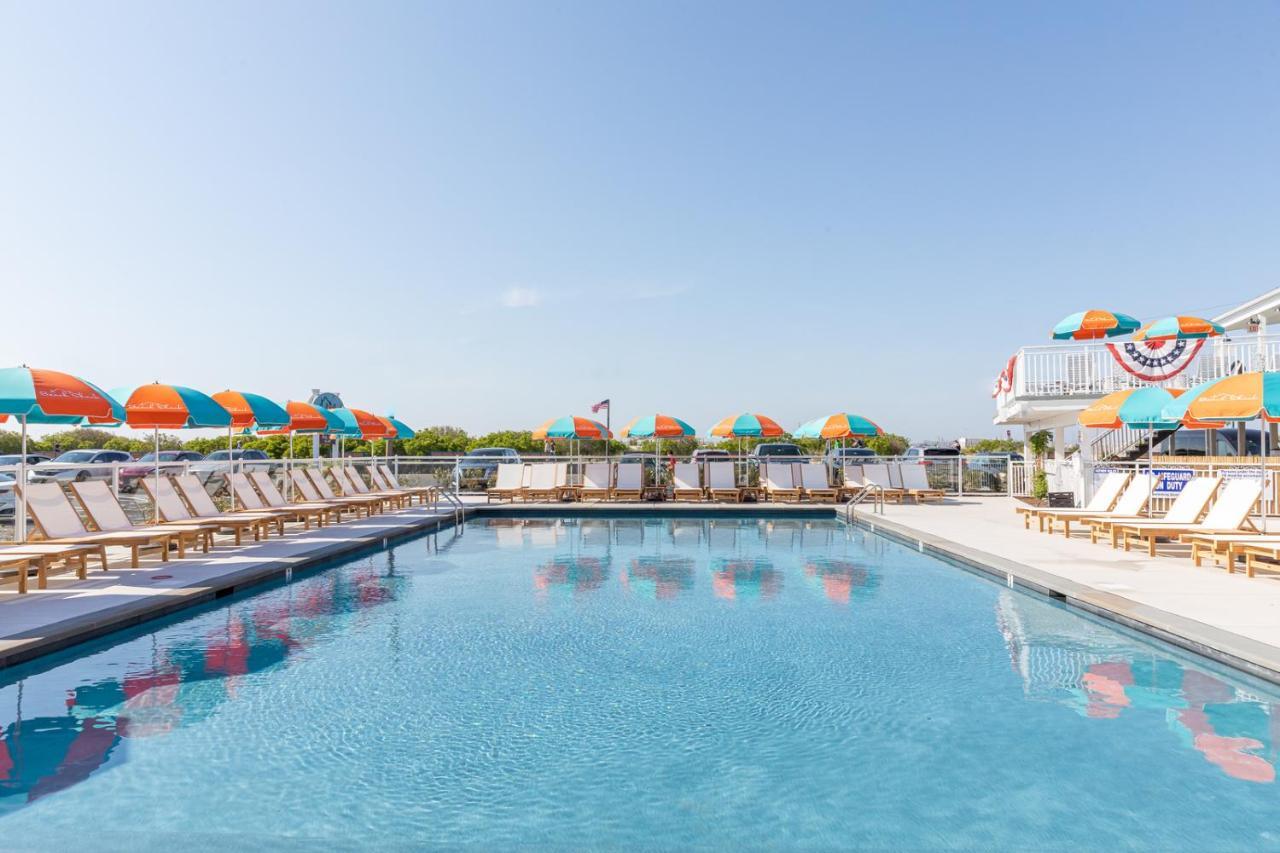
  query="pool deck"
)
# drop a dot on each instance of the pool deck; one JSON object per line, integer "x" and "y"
{"x": 1231, "y": 618}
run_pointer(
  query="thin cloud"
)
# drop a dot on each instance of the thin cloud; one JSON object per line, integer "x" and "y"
{"x": 521, "y": 297}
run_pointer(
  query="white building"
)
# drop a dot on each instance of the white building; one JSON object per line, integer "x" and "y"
{"x": 1044, "y": 387}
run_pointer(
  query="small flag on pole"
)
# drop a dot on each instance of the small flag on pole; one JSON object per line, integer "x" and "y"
{"x": 603, "y": 404}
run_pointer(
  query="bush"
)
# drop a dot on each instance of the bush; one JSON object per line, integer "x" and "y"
{"x": 1040, "y": 485}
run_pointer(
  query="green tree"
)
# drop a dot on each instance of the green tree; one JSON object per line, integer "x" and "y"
{"x": 888, "y": 444}
{"x": 994, "y": 445}
{"x": 11, "y": 442}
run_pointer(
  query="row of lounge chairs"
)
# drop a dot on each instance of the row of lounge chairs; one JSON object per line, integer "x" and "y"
{"x": 189, "y": 517}
{"x": 779, "y": 481}
{"x": 1211, "y": 516}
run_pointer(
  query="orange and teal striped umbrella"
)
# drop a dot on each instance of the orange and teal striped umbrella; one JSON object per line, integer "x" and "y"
{"x": 49, "y": 397}
{"x": 1094, "y": 324}
{"x": 357, "y": 423}
{"x": 747, "y": 425}
{"x": 843, "y": 425}
{"x": 307, "y": 418}
{"x": 252, "y": 410}
{"x": 158, "y": 406}
{"x": 1242, "y": 397}
{"x": 1178, "y": 328}
{"x": 572, "y": 427}
{"x": 657, "y": 426}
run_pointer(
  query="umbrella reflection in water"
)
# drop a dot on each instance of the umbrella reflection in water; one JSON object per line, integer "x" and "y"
{"x": 840, "y": 579}
{"x": 1093, "y": 670}
{"x": 745, "y": 577}
{"x": 659, "y": 577}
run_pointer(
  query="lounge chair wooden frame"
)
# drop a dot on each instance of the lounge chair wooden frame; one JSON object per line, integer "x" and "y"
{"x": 386, "y": 478}
{"x": 201, "y": 507}
{"x": 716, "y": 490}
{"x": 591, "y": 488}
{"x": 275, "y": 500}
{"x": 306, "y": 486}
{"x": 1229, "y": 515}
{"x": 108, "y": 515}
{"x": 517, "y": 471}
{"x": 41, "y": 556}
{"x": 38, "y": 495}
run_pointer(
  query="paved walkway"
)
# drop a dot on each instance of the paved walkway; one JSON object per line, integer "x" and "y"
{"x": 70, "y": 609}
{"x": 1229, "y": 616}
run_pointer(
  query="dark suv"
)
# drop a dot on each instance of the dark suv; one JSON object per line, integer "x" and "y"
{"x": 776, "y": 449}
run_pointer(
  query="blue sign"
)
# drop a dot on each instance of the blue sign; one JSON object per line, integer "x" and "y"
{"x": 1172, "y": 480}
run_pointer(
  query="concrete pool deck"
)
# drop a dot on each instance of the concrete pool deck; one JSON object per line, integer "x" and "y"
{"x": 1231, "y": 618}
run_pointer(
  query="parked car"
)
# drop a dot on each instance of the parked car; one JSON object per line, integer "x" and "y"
{"x": 921, "y": 452}
{"x": 705, "y": 454}
{"x": 774, "y": 449}
{"x": 82, "y": 465}
{"x": 130, "y": 475}
{"x": 480, "y": 466}
{"x": 213, "y": 468}
{"x": 838, "y": 457}
{"x": 7, "y": 459}
{"x": 7, "y": 499}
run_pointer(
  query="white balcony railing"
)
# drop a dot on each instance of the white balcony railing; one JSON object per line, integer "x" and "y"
{"x": 1090, "y": 370}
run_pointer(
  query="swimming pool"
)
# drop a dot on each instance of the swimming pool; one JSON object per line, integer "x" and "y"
{"x": 637, "y": 682}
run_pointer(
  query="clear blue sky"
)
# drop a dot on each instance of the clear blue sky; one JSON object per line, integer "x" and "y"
{"x": 488, "y": 214}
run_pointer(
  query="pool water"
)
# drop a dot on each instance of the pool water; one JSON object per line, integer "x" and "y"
{"x": 572, "y": 682}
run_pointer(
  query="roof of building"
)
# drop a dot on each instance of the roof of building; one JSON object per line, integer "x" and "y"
{"x": 1266, "y": 306}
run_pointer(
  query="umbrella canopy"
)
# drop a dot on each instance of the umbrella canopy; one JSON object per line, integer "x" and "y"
{"x": 747, "y": 425}
{"x": 1178, "y": 328}
{"x": 1094, "y": 324}
{"x": 158, "y": 406}
{"x": 843, "y": 425}
{"x": 357, "y": 423}
{"x": 657, "y": 426}
{"x": 402, "y": 430}
{"x": 307, "y": 418}
{"x": 50, "y": 397}
{"x": 1133, "y": 407}
{"x": 571, "y": 426}
{"x": 252, "y": 410}
{"x": 1242, "y": 397}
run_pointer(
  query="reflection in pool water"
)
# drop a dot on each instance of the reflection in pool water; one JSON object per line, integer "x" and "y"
{"x": 1088, "y": 668}
{"x": 712, "y": 682}
{"x": 52, "y": 748}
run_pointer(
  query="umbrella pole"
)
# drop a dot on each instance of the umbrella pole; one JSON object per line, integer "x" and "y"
{"x": 1266, "y": 494}
{"x": 156, "y": 431}
{"x": 20, "y": 526}
{"x": 1151, "y": 462}
{"x": 231, "y": 466}
{"x": 288, "y": 469}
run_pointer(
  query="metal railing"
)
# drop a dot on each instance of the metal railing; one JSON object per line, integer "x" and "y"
{"x": 1090, "y": 369}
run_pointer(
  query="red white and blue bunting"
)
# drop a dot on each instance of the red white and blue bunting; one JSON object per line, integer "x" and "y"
{"x": 1154, "y": 361}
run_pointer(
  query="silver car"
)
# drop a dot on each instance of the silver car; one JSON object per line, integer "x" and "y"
{"x": 78, "y": 466}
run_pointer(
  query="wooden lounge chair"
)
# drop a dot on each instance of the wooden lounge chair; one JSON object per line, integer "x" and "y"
{"x": 306, "y": 487}
{"x": 1104, "y": 498}
{"x": 203, "y": 508}
{"x": 596, "y": 481}
{"x": 509, "y": 483}
{"x": 252, "y": 501}
{"x": 876, "y": 475}
{"x": 542, "y": 483}
{"x": 813, "y": 480}
{"x": 387, "y": 482}
{"x": 853, "y": 483}
{"x": 685, "y": 482}
{"x": 566, "y": 491}
{"x": 106, "y": 513}
{"x": 722, "y": 482}
{"x": 1130, "y": 505}
{"x": 630, "y": 481}
{"x": 351, "y": 477}
{"x": 275, "y": 500}
{"x": 780, "y": 481}
{"x": 1254, "y": 551}
{"x": 173, "y": 509}
{"x": 41, "y": 556}
{"x": 1187, "y": 508}
{"x": 1230, "y": 514}
{"x": 915, "y": 481}
{"x": 57, "y": 520}
{"x": 321, "y": 485}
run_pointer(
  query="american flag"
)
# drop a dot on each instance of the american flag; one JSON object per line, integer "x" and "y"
{"x": 603, "y": 404}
